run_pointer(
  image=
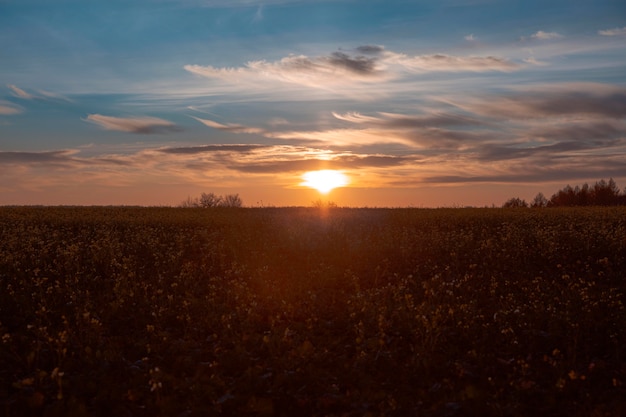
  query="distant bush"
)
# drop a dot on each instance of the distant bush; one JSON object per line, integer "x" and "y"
{"x": 321, "y": 204}
{"x": 515, "y": 203}
{"x": 207, "y": 200}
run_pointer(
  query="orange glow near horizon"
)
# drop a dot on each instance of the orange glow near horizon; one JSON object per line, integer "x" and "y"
{"x": 324, "y": 180}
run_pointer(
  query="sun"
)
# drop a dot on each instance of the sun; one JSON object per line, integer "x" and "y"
{"x": 324, "y": 180}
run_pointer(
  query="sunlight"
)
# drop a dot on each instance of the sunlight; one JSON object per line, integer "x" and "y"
{"x": 324, "y": 180}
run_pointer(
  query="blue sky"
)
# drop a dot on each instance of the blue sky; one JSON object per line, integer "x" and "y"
{"x": 423, "y": 103}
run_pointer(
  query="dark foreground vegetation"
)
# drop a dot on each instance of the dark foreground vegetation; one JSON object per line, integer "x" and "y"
{"x": 306, "y": 312}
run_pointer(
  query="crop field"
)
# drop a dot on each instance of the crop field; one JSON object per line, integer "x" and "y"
{"x": 111, "y": 311}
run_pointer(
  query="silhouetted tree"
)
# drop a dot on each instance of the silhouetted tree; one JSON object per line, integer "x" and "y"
{"x": 515, "y": 203}
{"x": 321, "y": 204}
{"x": 231, "y": 200}
{"x": 539, "y": 201}
{"x": 190, "y": 202}
{"x": 208, "y": 200}
{"x": 564, "y": 197}
{"x": 605, "y": 194}
{"x": 583, "y": 195}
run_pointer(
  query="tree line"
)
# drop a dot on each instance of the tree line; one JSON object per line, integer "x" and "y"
{"x": 602, "y": 193}
{"x": 207, "y": 200}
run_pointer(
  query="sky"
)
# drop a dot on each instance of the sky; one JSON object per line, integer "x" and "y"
{"x": 418, "y": 103}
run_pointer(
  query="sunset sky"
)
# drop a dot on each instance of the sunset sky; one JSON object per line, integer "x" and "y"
{"x": 419, "y": 103}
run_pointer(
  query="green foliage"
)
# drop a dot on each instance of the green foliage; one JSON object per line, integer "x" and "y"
{"x": 299, "y": 311}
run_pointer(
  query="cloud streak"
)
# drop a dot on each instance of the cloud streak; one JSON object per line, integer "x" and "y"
{"x": 45, "y": 157}
{"x": 234, "y": 128}
{"x": 190, "y": 150}
{"x": 613, "y": 32}
{"x": 367, "y": 64}
{"x": 9, "y": 109}
{"x": 551, "y": 101}
{"x": 139, "y": 125}
{"x": 449, "y": 63}
{"x": 544, "y": 36}
{"x": 301, "y": 70}
{"x": 42, "y": 95}
{"x": 18, "y": 92}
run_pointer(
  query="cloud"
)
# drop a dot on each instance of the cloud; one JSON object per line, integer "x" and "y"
{"x": 18, "y": 92}
{"x": 433, "y": 129}
{"x": 541, "y": 172}
{"x": 234, "y": 128}
{"x": 449, "y": 63}
{"x": 44, "y": 157}
{"x": 386, "y": 134}
{"x": 470, "y": 37}
{"x": 142, "y": 125}
{"x": 345, "y": 137}
{"x": 233, "y": 3}
{"x": 212, "y": 148}
{"x": 553, "y": 100}
{"x": 9, "y": 109}
{"x": 278, "y": 121}
{"x": 300, "y": 69}
{"x": 581, "y": 130}
{"x": 370, "y": 49}
{"x": 52, "y": 96}
{"x": 339, "y": 162}
{"x": 367, "y": 64}
{"x": 613, "y": 32}
{"x": 493, "y": 153}
{"x": 541, "y": 35}
{"x": 407, "y": 122}
{"x": 534, "y": 61}
{"x": 42, "y": 94}
{"x": 258, "y": 16}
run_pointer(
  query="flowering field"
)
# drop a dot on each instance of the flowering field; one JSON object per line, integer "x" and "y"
{"x": 312, "y": 312}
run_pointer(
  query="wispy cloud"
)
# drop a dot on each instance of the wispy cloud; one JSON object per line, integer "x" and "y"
{"x": 18, "y": 92}
{"x": 300, "y": 69}
{"x": 234, "y": 128}
{"x": 613, "y": 32}
{"x": 342, "y": 162}
{"x": 44, "y": 157}
{"x": 449, "y": 63}
{"x": 541, "y": 35}
{"x": 534, "y": 61}
{"x": 8, "y": 109}
{"x": 370, "y": 49}
{"x": 212, "y": 148}
{"x": 433, "y": 119}
{"x": 41, "y": 94}
{"x": 553, "y": 100}
{"x": 368, "y": 63}
{"x": 434, "y": 131}
{"x": 142, "y": 125}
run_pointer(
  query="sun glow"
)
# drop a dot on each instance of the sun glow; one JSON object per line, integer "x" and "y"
{"x": 324, "y": 180}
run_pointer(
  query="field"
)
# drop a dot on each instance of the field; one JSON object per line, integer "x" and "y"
{"x": 312, "y": 312}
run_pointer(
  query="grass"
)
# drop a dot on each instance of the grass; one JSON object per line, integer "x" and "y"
{"x": 312, "y": 312}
